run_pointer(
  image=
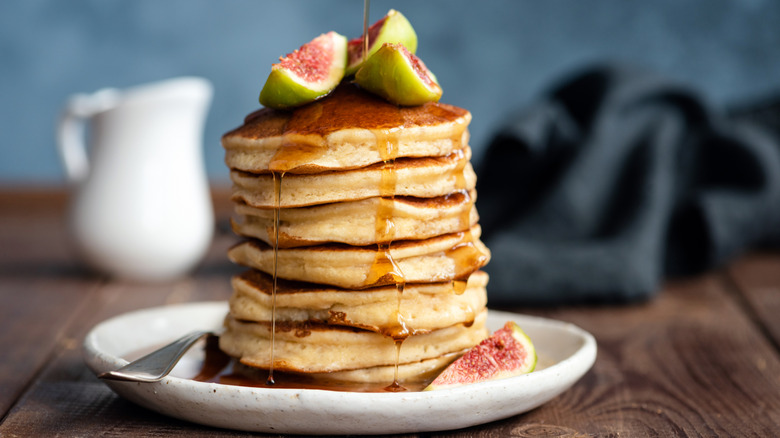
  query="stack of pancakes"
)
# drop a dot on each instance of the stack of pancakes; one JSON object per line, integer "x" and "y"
{"x": 361, "y": 237}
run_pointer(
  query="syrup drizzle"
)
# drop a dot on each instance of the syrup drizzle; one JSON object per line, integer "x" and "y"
{"x": 294, "y": 152}
{"x": 366, "y": 5}
{"x": 465, "y": 253}
{"x": 384, "y": 266}
{"x": 459, "y": 286}
{"x": 396, "y": 385}
{"x": 277, "y": 205}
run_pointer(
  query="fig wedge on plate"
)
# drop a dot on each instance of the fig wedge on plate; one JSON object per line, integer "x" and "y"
{"x": 399, "y": 76}
{"x": 508, "y": 352}
{"x": 307, "y": 74}
{"x": 392, "y": 28}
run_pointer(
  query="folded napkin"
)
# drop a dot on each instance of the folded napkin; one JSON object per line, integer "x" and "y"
{"x": 618, "y": 179}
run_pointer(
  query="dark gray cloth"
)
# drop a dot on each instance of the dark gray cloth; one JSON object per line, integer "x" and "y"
{"x": 618, "y": 179}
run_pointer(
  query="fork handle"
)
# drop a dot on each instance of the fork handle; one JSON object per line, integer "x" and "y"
{"x": 157, "y": 364}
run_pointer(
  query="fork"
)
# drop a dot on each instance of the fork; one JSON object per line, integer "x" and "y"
{"x": 157, "y": 364}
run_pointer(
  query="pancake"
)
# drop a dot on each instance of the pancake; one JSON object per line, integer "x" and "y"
{"x": 419, "y": 177}
{"x": 355, "y": 222}
{"x": 420, "y": 307}
{"x": 439, "y": 259}
{"x": 318, "y": 348}
{"x": 421, "y": 373}
{"x": 349, "y": 129}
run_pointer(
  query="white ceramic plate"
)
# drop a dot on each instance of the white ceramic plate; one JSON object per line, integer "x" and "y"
{"x": 565, "y": 353}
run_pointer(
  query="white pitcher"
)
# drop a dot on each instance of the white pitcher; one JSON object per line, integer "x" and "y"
{"x": 141, "y": 208}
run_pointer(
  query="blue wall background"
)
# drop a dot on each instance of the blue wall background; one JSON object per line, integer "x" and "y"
{"x": 491, "y": 57}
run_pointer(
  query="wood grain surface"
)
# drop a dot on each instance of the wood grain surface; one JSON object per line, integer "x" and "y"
{"x": 702, "y": 358}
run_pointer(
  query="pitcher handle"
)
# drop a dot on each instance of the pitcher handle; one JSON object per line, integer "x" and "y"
{"x": 71, "y": 126}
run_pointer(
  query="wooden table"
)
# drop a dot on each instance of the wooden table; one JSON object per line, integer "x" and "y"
{"x": 700, "y": 359}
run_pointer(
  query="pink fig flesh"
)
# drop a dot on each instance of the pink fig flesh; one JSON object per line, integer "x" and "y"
{"x": 307, "y": 74}
{"x": 506, "y": 353}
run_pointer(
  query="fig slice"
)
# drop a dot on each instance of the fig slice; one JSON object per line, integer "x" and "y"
{"x": 307, "y": 74}
{"x": 399, "y": 76}
{"x": 508, "y": 352}
{"x": 392, "y": 28}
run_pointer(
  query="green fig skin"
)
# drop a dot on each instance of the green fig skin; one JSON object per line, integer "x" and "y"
{"x": 283, "y": 92}
{"x": 391, "y": 74}
{"x": 286, "y": 89}
{"x": 395, "y": 29}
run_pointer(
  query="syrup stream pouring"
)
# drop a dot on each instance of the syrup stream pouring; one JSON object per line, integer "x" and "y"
{"x": 157, "y": 364}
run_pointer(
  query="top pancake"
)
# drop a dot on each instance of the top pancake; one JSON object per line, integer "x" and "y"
{"x": 348, "y": 129}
